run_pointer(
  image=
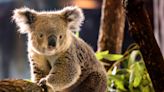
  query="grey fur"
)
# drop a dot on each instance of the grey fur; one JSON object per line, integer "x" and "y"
{"x": 71, "y": 66}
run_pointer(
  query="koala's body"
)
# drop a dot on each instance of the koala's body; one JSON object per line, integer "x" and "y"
{"x": 59, "y": 59}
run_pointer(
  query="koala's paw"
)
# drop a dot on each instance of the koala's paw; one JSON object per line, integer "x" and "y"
{"x": 42, "y": 83}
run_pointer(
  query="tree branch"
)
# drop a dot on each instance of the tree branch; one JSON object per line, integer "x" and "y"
{"x": 19, "y": 86}
{"x": 141, "y": 30}
{"x": 112, "y": 27}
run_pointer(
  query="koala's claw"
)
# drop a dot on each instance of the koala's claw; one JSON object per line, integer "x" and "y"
{"x": 42, "y": 81}
{"x": 42, "y": 84}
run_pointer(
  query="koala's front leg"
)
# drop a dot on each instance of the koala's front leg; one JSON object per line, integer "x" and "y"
{"x": 39, "y": 67}
{"x": 62, "y": 75}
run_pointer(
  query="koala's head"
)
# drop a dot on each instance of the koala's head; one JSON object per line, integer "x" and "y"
{"x": 48, "y": 31}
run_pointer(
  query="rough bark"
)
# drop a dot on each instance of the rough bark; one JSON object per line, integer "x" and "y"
{"x": 18, "y": 86}
{"x": 112, "y": 27}
{"x": 141, "y": 30}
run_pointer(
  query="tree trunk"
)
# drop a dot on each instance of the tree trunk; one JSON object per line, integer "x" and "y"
{"x": 112, "y": 27}
{"x": 19, "y": 86}
{"x": 141, "y": 30}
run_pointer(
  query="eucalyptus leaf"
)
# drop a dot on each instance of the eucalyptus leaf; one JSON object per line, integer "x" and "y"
{"x": 138, "y": 73}
{"x": 118, "y": 80}
{"x": 106, "y": 55}
{"x": 99, "y": 55}
{"x": 132, "y": 77}
{"x": 145, "y": 89}
{"x": 137, "y": 80}
{"x": 112, "y": 57}
{"x": 133, "y": 56}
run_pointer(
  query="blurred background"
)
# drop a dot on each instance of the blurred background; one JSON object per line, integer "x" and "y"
{"x": 13, "y": 54}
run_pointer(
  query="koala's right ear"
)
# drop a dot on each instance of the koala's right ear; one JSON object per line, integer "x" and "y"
{"x": 74, "y": 17}
{"x": 24, "y": 17}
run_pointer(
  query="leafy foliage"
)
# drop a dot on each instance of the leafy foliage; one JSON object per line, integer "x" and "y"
{"x": 128, "y": 73}
{"x": 106, "y": 55}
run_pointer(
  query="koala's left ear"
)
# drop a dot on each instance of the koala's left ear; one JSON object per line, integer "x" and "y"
{"x": 73, "y": 16}
{"x": 24, "y": 17}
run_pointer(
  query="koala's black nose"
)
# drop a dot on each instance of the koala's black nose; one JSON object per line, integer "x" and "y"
{"x": 52, "y": 41}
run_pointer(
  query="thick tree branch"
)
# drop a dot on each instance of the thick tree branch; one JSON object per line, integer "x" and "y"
{"x": 141, "y": 30}
{"x": 19, "y": 86}
{"x": 112, "y": 27}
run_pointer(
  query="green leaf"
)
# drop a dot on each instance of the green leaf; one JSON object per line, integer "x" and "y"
{"x": 137, "y": 72}
{"x": 99, "y": 55}
{"x": 145, "y": 81}
{"x": 137, "y": 80}
{"x": 133, "y": 75}
{"x": 112, "y": 57}
{"x": 145, "y": 89}
{"x": 119, "y": 81}
{"x": 131, "y": 79}
{"x": 106, "y": 55}
{"x": 122, "y": 71}
{"x": 133, "y": 56}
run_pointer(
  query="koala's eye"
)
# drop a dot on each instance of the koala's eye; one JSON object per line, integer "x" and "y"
{"x": 40, "y": 35}
{"x": 60, "y": 36}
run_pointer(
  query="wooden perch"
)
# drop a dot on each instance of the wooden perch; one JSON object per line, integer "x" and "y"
{"x": 141, "y": 30}
{"x": 19, "y": 86}
{"x": 112, "y": 27}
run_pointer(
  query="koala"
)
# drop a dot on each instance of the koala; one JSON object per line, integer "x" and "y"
{"x": 60, "y": 61}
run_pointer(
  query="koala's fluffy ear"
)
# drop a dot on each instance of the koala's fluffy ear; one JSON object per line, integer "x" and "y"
{"x": 74, "y": 17}
{"x": 24, "y": 17}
